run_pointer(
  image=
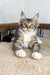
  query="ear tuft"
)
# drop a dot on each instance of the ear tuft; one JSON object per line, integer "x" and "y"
{"x": 37, "y": 14}
{"x": 35, "y": 19}
{"x": 23, "y": 15}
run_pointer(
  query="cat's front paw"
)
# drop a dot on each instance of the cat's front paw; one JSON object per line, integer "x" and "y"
{"x": 36, "y": 55}
{"x": 20, "y": 53}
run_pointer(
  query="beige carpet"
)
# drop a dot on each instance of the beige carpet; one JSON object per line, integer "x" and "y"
{"x": 12, "y": 65}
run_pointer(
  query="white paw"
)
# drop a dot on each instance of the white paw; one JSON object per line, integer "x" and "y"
{"x": 20, "y": 53}
{"x": 36, "y": 55}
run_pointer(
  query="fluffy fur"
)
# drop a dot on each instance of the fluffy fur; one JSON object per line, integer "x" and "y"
{"x": 26, "y": 35}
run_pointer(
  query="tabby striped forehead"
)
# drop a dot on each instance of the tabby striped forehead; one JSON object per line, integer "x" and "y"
{"x": 28, "y": 21}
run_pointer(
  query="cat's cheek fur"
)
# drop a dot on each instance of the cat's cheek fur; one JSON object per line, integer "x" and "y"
{"x": 20, "y": 53}
{"x": 36, "y": 55}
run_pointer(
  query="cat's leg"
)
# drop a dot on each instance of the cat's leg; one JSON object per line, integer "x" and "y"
{"x": 36, "y": 48}
{"x": 36, "y": 51}
{"x": 38, "y": 40}
{"x": 17, "y": 47}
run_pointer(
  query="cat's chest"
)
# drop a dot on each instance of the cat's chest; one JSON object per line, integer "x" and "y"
{"x": 27, "y": 38}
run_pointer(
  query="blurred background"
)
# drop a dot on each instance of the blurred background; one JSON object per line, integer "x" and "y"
{"x": 10, "y": 11}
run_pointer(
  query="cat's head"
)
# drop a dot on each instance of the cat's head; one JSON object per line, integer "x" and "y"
{"x": 27, "y": 24}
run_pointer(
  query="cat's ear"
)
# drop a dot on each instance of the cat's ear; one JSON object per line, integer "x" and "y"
{"x": 35, "y": 19}
{"x": 22, "y": 17}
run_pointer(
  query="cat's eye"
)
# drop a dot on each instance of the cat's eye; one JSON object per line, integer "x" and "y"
{"x": 31, "y": 25}
{"x": 25, "y": 24}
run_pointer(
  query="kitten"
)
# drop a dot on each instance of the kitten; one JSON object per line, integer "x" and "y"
{"x": 26, "y": 37}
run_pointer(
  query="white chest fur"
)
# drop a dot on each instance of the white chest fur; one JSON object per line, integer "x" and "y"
{"x": 27, "y": 38}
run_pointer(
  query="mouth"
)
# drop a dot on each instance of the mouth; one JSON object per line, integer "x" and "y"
{"x": 28, "y": 30}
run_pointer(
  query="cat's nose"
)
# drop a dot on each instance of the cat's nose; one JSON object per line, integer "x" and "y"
{"x": 28, "y": 27}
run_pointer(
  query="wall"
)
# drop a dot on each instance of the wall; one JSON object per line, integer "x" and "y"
{"x": 10, "y": 10}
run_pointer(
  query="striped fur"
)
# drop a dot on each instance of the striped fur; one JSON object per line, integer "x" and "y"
{"x": 26, "y": 36}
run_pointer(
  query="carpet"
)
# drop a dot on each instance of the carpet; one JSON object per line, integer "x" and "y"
{"x": 12, "y": 65}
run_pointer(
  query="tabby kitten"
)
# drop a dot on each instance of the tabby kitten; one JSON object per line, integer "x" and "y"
{"x": 26, "y": 37}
